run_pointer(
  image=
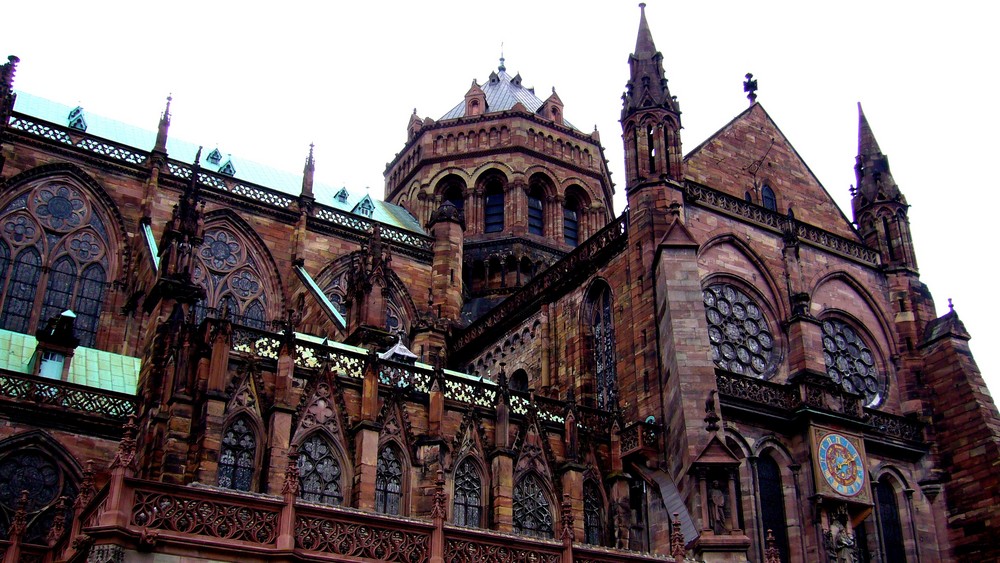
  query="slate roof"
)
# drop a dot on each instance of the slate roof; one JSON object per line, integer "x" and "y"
{"x": 502, "y": 92}
{"x": 90, "y": 367}
{"x": 246, "y": 170}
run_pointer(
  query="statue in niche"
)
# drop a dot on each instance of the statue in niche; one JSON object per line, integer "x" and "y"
{"x": 840, "y": 542}
{"x": 717, "y": 508}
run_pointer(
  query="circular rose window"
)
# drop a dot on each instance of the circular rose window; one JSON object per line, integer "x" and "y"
{"x": 741, "y": 340}
{"x": 849, "y": 361}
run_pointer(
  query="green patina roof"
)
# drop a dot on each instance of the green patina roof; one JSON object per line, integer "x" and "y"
{"x": 255, "y": 173}
{"x": 90, "y": 367}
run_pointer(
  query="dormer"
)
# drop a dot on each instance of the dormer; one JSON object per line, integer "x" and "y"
{"x": 214, "y": 157}
{"x": 76, "y": 120}
{"x": 552, "y": 108}
{"x": 475, "y": 100}
{"x": 365, "y": 207}
{"x": 414, "y": 126}
{"x": 228, "y": 169}
{"x": 56, "y": 343}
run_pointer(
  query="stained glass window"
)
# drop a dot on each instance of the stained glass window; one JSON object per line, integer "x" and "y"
{"x": 59, "y": 290}
{"x": 738, "y": 332}
{"x": 768, "y": 199}
{"x": 35, "y": 472}
{"x": 888, "y": 518}
{"x": 593, "y": 520}
{"x": 89, "y": 297}
{"x": 532, "y": 515}
{"x": 850, "y": 362}
{"x": 319, "y": 471}
{"x": 468, "y": 506}
{"x": 233, "y": 284}
{"x": 21, "y": 290}
{"x": 536, "y": 212}
{"x": 494, "y": 207}
{"x": 604, "y": 349}
{"x": 571, "y": 224}
{"x": 772, "y": 503}
{"x": 238, "y": 455}
{"x": 389, "y": 482}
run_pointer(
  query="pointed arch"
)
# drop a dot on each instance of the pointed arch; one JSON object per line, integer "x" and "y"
{"x": 237, "y": 270}
{"x": 597, "y": 319}
{"x": 391, "y": 472}
{"x": 242, "y": 441}
{"x": 469, "y": 492}
{"x": 532, "y": 506}
{"x": 71, "y": 225}
{"x": 594, "y": 503}
{"x": 771, "y": 292}
{"x": 323, "y": 475}
{"x": 776, "y": 509}
{"x": 35, "y": 462}
{"x": 890, "y": 514}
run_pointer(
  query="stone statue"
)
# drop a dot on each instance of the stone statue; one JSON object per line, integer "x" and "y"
{"x": 840, "y": 543}
{"x": 623, "y": 524}
{"x": 717, "y": 508}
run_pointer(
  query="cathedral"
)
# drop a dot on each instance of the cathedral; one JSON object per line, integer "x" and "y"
{"x": 203, "y": 361}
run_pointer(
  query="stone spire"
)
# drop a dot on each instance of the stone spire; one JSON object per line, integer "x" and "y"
{"x": 161, "y": 132}
{"x": 875, "y": 181}
{"x": 647, "y": 85}
{"x": 307, "y": 174}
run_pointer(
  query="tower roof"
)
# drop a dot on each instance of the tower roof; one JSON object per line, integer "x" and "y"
{"x": 874, "y": 178}
{"x": 647, "y": 85}
{"x": 503, "y": 91}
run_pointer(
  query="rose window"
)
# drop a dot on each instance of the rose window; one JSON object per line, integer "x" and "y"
{"x": 20, "y": 229}
{"x": 85, "y": 247}
{"x": 60, "y": 207}
{"x": 740, "y": 337}
{"x": 849, "y": 361}
{"x": 221, "y": 251}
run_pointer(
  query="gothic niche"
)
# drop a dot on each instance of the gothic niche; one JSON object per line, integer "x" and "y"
{"x": 849, "y": 361}
{"x": 741, "y": 340}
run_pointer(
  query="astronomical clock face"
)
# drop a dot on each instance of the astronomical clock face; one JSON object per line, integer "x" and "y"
{"x": 841, "y": 464}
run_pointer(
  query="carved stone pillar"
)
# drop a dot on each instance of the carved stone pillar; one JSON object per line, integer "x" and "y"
{"x": 502, "y": 492}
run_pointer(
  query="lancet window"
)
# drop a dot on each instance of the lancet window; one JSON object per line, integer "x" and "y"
{"x": 494, "y": 206}
{"x": 772, "y": 503}
{"x": 468, "y": 505}
{"x": 738, "y": 331}
{"x": 389, "y": 482}
{"x": 536, "y": 211}
{"x": 889, "y": 522}
{"x": 28, "y": 469}
{"x": 532, "y": 514}
{"x": 238, "y": 456}
{"x": 319, "y": 471}
{"x": 53, "y": 258}
{"x": 593, "y": 515}
{"x": 603, "y": 345}
{"x": 768, "y": 199}
{"x": 571, "y": 222}
{"x": 232, "y": 278}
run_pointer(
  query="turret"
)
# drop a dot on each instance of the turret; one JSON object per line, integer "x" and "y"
{"x": 651, "y": 117}
{"x": 880, "y": 210}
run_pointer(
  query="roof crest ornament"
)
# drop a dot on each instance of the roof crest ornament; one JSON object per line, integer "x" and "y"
{"x": 750, "y": 87}
{"x": 502, "y": 67}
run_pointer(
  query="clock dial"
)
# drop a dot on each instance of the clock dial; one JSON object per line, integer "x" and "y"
{"x": 841, "y": 464}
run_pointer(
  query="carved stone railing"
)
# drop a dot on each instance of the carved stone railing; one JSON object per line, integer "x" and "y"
{"x": 720, "y": 201}
{"x": 203, "y": 512}
{"x": 639, "y": 437}
{"x": 815, "y": 396}
{"x": 352, "y": 533}
{"x": 757, "y": 391}
{"x": 594, "y": 554}
{"x": 551, "y": 283}
{"x": 66, "y": 396}
{"x": 363, "y": 225}
{"x": 466, "y": 545}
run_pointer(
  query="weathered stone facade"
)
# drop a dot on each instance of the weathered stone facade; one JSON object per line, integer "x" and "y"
{"x": 491, "y": 365}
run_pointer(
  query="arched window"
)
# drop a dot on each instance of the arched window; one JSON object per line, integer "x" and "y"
{"x": 468, "y": 505}
{"x": 519, "y": 381}
{"x": 494, "y": 206}
{"x": 767, "y": 198}
{"x": 536, "y": 211}
{"x": 888, "y": 238}
{"x": 319, "y": 471}
{"x": 238, "y": 456}
{"x": 571, "y": 222}
{"x": 651, "y": 149}
{"x": 532, "y": 515}
{"x": 888, "y": 519}
{"x": 29, "y": 469}
{"x": 593, "y": 515}
{"x": 772, "y": 503}
{"x": 230, "y": 270}
{"x": 603, "y": 344}
{"x": 59, "y": 245}
{"x": 21, "y": 291}
{"x": 747, "y": 197}
{"x": 454, "y": 192}
{"x": 389, "y": 482}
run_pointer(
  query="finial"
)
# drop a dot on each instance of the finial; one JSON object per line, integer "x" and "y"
{"x": 197, "y": 156}
{"x": 750, "y": 87}
{"x": 502, "y": 67}
{"x": 951, "y": 306}
{"x": 309, "y": 159}
{"x": 642, "y": 6}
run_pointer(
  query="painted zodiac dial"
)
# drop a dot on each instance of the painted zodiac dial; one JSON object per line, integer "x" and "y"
{"x": 841, "y": 464}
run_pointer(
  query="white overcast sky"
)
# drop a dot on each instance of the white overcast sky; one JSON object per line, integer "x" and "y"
{"x": 263, "y": 80}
